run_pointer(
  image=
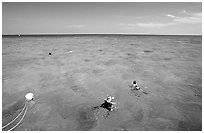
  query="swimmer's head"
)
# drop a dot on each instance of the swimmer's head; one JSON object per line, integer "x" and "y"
{"x": 110, "y": 98}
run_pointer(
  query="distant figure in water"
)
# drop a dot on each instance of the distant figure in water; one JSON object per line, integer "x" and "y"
{"x": 134, "y": 86}
{"x": 50, "y": 53}
{"x": 108, "y": 104}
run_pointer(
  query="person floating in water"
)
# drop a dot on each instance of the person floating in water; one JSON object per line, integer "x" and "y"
{"x": 108, "y": 104}
{"x": 134, "y": 86}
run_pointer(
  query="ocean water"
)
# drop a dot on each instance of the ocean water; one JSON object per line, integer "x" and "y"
{"x": 83, "y": 69}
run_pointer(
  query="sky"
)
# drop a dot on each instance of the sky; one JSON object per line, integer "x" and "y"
{"x": 124, "y": 17}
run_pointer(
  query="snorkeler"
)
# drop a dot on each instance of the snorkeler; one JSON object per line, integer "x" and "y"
{"x": 134, "y": 86}
{"x": 108, "y": 104}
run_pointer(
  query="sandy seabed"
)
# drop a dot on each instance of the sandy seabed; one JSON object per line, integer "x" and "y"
{"x": 67, "y": 85}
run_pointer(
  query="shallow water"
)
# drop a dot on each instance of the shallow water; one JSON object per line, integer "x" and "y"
{"x": 67, "y": 85}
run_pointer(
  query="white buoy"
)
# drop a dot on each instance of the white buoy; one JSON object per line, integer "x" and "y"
{"x": 70, "y": 52}
{"x": 29, "y": 96}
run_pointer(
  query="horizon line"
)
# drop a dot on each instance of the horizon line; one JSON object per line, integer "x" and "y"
{"x": 21, "y": 34}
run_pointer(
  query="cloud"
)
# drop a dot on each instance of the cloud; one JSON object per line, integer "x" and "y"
{"x": 76, "y": 26}
{"x": 189, "y": 18}
{"x": 184, "y": 18}
{"x": 129, "y": 16}
{"x": 171, "y": 16}
{"x": 146, "y": 25}
{"x": 152, "y": 25}
{"x": 192, "y": 19}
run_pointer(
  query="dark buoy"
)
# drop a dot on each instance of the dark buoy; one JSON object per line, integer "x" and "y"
{"x": 50, "y": 53}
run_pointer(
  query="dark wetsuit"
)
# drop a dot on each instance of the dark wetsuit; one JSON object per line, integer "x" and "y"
{"x": 106, "y": 105}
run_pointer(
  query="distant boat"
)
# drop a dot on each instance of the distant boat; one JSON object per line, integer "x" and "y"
{"x": 19, "y": 35}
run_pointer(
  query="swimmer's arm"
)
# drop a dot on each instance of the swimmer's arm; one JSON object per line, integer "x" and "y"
{"x": 112, "y": 103}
